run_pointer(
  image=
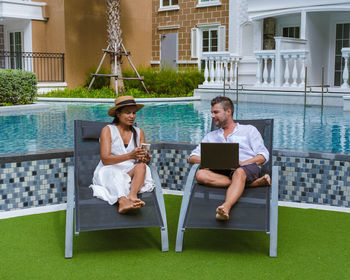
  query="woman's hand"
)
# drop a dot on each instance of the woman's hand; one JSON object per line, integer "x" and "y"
{"x": 147, "y": 158}
{"x": 138, "y": 154}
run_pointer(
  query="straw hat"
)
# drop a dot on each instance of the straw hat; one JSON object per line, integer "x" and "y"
{"x": 122, "y": 102}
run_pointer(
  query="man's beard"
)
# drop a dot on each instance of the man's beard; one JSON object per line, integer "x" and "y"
{"x": 221, "y": 123}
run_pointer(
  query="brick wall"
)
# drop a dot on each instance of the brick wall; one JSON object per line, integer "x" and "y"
{"x": 187, "y": 17}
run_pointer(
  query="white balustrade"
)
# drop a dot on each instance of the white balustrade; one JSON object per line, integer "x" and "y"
{"x": 219, "y": 68}
{"x": 265, "y": 74}
{"x": 294, "y": 67}
{"x": 346, "y": 54}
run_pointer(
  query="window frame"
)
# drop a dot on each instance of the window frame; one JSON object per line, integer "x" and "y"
{"x": 208, "y": 3}
{"x": 169, "y": 7}
{"x": 291, "y": 26}
{"x": 210, "y": 30}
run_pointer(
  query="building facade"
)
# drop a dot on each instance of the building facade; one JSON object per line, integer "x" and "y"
{"x": 62, "y": 41}
{"x": 269, "y": 43}
{"x": 182, "y": 30}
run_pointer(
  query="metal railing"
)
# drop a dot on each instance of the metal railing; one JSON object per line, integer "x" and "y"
{"x": 48, "y": 67}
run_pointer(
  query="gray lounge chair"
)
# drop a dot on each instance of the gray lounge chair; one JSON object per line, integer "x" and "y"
{"x": 94, "y": 214}
{"x": 256, "y": 210}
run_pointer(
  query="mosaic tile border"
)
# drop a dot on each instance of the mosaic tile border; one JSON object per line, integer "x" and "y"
{"x": 36, "y": 179}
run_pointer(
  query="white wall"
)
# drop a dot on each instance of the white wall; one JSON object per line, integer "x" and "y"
{"x": 266, "y": 5}
{"x": 317, "y": 34}
{"x": 247, "y": 43}
{"x": 19, "y": 25}
{"x": 286, "y": 21}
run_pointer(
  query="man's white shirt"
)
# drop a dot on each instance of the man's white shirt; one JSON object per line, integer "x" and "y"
{"x": 249, "y": 138}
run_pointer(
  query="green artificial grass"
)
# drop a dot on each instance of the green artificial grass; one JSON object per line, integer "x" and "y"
{"x": 312, "y": 244}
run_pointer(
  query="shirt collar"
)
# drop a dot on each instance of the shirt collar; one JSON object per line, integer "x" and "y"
{"x": 221, "y": 131}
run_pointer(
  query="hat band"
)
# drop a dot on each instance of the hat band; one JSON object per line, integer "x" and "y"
{"x": 126, "y": 102}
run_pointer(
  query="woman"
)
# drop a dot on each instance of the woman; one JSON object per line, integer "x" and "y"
{"x": 122, "y": 171}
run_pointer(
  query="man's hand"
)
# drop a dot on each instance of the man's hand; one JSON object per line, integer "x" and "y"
{"x": 194, "y": 159}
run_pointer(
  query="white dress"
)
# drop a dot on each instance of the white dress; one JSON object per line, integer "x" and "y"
{"x": 111, "y": 182}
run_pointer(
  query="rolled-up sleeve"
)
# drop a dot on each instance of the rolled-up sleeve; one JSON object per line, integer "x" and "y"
{"x": 257, "y": 144}
{"x": 197, "y": 150}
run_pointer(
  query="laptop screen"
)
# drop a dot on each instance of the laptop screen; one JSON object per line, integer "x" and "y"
{"x": 220, "y": 156}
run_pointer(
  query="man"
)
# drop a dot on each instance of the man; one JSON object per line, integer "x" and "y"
{"x": 252, "y": 154}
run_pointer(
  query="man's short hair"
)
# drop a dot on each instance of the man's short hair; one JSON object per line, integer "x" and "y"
{"x": 225, "y": 102}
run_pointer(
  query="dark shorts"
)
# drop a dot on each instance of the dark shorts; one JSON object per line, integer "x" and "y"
{"x": 251, "y": 170}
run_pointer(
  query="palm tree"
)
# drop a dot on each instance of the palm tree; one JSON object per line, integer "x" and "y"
{"x": 115, "y": 43}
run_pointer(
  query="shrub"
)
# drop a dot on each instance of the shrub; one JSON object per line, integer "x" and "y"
{"x": 17, "y": 87}
{"x": 165, "y": 82}
{"x": 100, "y": 82}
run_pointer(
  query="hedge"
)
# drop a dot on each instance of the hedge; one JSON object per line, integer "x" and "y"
{"x": 17, "y": 87}
{"x": 166, "y": 82}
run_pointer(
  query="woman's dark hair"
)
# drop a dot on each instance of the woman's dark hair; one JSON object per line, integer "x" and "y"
{"x": 133, "y": 130}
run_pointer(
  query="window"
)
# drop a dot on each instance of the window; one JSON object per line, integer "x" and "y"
{"x": 16, "y": 50}
{"x": 167, "y": 3}
{"x": 210, "y": 40}
{"x": 207, "y": 38}
{"x": 207, "y": 3}
{"x": 291, "y": 32}
{"x": 342, "y": 40}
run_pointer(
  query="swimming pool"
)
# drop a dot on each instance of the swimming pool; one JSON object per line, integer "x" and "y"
{"x": 296, "y": 127}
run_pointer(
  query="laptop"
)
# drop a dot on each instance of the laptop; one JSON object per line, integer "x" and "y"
{"x": 220, "y": 156}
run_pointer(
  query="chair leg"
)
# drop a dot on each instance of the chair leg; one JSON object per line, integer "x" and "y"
{"x": 184, "y": 207}
{"x": 69, "y": 213}
{"x": 274, "y": 212}
{"x": 161, "y": 204}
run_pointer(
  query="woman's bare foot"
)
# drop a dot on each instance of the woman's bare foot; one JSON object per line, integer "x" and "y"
{"x": 126, "y": 204}
{"x": 137, "y": 200}
{"x": 222, "y": 213}
{"x": 261, "y": 182}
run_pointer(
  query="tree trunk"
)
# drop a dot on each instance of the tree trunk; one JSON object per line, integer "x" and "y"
{"x": 114, "y": 41}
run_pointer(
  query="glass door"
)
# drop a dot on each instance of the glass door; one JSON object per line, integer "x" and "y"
{"x": 15, "y": 50}
{"x": 342, "y": 41}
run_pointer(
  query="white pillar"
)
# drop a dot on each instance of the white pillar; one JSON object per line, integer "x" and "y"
{"x": 226, "y": 73}
{"x": 295, "y": 70}
{"x": 217, "y": 70}
{"x": 231, "y": 73}
{"x": 265, "y": 71}
{"x": 345, "y": 72}
{"x": 272, "y": 72}
{"x": 236, "y": 68}
{"x": 258, "y": 72}
{"x": 212, "y": 71}
{"x": 286, "y": 70}
{"x": 206, "y": 72}
{"x": 302, "y": 71}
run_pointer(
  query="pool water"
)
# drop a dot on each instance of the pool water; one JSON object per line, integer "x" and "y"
{"x": 295, "y": 128}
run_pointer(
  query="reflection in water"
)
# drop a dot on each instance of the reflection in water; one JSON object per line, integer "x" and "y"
{"x": 295, "y": 127}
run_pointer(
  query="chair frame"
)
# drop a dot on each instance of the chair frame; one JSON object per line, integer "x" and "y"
{"x": 72, "y": 213}
{"x": 273, "y": 206}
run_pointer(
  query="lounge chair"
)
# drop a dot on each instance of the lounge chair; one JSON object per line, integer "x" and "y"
{"x": 256, "y": 210}
{"x": 94, "y": 214}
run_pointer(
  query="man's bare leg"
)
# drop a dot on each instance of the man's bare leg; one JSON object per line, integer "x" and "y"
{"x": 233, "y": 193}
{"x": 263, "y": 181}
{"x": 137, "y": 175}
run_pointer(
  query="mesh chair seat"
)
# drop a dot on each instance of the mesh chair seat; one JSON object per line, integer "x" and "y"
{"x": 255, "y": 210}
{"x": 95, "y": 214}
